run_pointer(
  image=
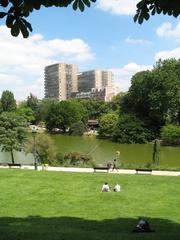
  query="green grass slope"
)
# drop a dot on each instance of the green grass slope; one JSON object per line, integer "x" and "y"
{"x": 68, "y": 206}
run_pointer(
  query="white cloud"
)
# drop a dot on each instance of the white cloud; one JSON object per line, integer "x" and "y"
{"x": 22, "y": 61}
{"x": 137, "y": 41}
{"x": 175, "y": 53}
{"x": 166, "y": 30}
{"x": 122, "y": 76}
{"x": 119, "y": 7}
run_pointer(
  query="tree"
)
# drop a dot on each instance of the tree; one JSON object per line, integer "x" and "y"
{"x": 130, "y": 129}
{"x": 77, "y": 129}
{"x": 27, "y": 113}
{"x": 95, "y": 108}
{"x": 107, "y": 125}
{"x": 44, "y": 107}
{"x": 12, "y": 133}
{"x": 154, "y": 96}
{"x": 8, "y": 103}
{"x": 15, "y": 12}
{"x": 64, "y": 114}
{"x": 116, "y": 101}
{"x": 147, "y": 7}
{"x": 33, "y": 103}
{"x": 170, "y": 134}
{"x": 45, "y": 148}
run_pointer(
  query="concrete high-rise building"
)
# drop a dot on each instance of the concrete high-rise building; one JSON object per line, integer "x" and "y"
{"x": 98, "y": 83}
{"x": 94, "y": 79}
{"x": 60, "y": 81}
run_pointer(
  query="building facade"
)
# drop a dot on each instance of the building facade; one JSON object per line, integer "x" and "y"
{"x": 60, "y": 81}
{"x": 95, "y": 84}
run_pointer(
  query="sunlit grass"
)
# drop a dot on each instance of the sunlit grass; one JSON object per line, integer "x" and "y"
{"x": 56, "y": 205}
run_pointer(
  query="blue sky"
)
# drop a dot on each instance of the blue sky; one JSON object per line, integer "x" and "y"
{"x": 102, "y": 37}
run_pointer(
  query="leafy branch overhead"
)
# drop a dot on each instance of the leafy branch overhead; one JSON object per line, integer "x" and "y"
{"x": 15, "y": 12}
{"x": 147, "y": 7}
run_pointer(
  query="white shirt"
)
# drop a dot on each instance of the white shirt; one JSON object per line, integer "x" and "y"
{"x": 105, "y": 188}
{"x": 117, "y": 188}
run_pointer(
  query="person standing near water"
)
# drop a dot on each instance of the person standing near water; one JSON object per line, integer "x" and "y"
{"x": 114, "y": 167}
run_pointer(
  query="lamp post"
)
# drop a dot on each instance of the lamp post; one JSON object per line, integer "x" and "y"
{"x": 34, "y": 132}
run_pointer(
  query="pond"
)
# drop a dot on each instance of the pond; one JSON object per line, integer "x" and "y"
{"x": 103, "y": 151}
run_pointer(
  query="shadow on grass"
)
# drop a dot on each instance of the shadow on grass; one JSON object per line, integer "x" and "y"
{"x": 71, "y": 228}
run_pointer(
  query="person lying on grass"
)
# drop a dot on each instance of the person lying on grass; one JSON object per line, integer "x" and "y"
{"x": 142, "y": 226}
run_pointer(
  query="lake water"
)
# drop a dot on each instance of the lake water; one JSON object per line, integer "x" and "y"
{"x": 103, "y": 151}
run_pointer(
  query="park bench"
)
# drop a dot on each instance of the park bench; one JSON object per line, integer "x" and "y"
{"x": 3, "y": 164}
{"x": 15, "y": 165}
{"x": 101, "y": 169}
{"x": 143, "y": 170}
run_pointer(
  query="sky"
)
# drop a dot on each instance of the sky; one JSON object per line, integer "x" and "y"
{"x": 102, "y": 37}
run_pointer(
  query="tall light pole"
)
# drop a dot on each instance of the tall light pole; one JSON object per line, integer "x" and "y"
{"x": 34, "y": 132}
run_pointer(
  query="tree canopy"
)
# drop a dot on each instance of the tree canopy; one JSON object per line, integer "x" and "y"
{"x": 8, "y": 103}
{"x": 15, "y": 12}
{"x": 154, "y": 96}
{"x": 12, "y": 132}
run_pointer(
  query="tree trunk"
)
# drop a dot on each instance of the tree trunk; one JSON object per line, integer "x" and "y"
{"x": 12, "y": 156}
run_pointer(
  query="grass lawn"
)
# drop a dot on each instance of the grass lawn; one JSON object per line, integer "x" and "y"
{"x": 68, "y": 206}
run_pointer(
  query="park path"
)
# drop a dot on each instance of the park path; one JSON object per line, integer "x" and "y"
{"x": 91, "y": 170}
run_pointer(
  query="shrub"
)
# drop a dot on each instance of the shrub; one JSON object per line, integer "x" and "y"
{"x": 170, "y": 135}
{"x": 130, "y": 129}
{"x": 76, "y": 159}
{"x": 77, "y": 129}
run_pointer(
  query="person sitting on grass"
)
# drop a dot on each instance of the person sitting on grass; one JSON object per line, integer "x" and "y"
{"x": 105, "y": 187}
{"x": 117, "y": 188}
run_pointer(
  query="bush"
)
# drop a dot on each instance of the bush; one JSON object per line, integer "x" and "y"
{"x": 131, "y": 130}
{"x": 77, "y": 159}
{"x": 77, "y": 129}
{"x": 59, "y": 159}
{"x": 170, "y": 135}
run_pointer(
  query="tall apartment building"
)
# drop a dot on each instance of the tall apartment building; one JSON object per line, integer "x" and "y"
{"x": 94, "y": 79}
{"x": 96, "y": 84}
{"x": 60, "y": 81}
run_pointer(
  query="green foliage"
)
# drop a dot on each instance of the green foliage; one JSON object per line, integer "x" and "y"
{"x": 59, "y": 159}
{"x": 107, "y": 125}
{"x": 95, "y": 108}
{"x": 27, "y": 113}
{"x": 145, "y": 8}
{"x": 77, "y": 129}
{"x": 131, "y": 130}
{"x": 64, "y": 114}
{"x": 154, "y": 96}
{"x": 33, "y": 103}
{"x": 77, "y": 159}
{"x": 12, "y": 132}
{"x": 15, "y": 12}
{"x": 115, "y": 104}
{"x": 8, "y": 103}
{"x": 170, "y": 134}
{"x": 44, "y": 107}
{"x": 44, "y": 147}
